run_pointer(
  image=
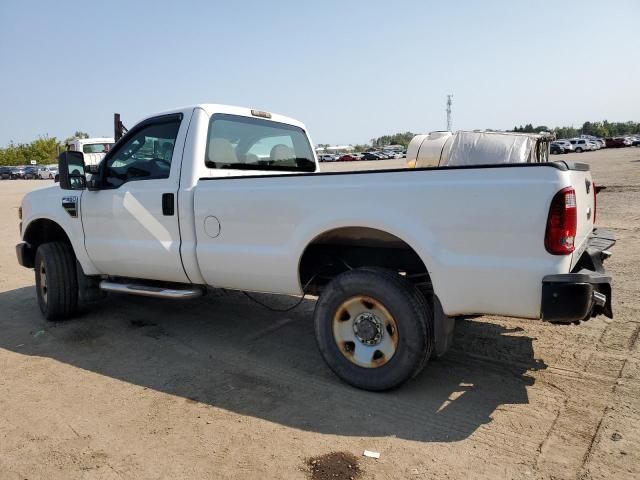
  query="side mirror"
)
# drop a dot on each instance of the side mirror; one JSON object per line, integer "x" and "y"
{"x": 71, "y": 171}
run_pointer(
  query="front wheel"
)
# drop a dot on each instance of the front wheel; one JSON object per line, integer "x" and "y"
{"x": 56, "y": 280}
{"x": 373, "y": 328}
{"x": 578, "y": 150}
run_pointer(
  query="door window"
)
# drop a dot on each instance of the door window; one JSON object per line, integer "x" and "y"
{"x": 145, "y": 155}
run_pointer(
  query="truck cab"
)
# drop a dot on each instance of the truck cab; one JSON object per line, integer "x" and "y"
{"x": 92, "y": 149}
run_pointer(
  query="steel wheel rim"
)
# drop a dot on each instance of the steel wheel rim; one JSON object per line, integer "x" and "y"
{"x": 43, "y": 283}
{"x": 365, "y": 331}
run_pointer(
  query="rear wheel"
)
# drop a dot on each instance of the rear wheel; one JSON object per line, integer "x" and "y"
{"x": 56, "y": 280}
{"x": 373, "y": 328}
{"x": 578, "y": 150}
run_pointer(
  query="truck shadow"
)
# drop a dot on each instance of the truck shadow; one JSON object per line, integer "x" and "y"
{"x": 224, "y": 351}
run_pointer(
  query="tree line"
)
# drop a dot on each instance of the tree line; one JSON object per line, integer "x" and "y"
{"x": 44, "y": 150}
{"x": 597, "y": 129}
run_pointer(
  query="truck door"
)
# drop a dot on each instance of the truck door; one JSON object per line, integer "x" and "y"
{"x": 131, "y": 223}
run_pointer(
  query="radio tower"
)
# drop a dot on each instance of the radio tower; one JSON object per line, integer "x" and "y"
{"x": 449, "y": 119}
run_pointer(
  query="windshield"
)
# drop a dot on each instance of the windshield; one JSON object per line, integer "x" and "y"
{"x": 244, "y": 143}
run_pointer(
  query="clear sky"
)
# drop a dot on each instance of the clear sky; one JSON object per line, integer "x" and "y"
{"x": 351, "y": 70}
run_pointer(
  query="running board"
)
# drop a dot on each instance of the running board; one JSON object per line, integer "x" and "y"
{"x": 151, "y": 291}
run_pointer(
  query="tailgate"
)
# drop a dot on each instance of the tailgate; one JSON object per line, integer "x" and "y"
{"x": 581, "y": 181}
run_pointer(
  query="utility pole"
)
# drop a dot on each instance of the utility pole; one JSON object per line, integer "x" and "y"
{"x": 449, "y": 119}
{"x": 118, "y": 128}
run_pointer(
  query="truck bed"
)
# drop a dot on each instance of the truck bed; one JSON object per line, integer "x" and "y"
{"x": 479, "y": 230}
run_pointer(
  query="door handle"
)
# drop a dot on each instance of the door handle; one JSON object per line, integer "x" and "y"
{"x": 167, "y": 204}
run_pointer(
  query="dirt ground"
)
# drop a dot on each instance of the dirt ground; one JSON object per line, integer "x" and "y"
{"x": 223, "y": 388}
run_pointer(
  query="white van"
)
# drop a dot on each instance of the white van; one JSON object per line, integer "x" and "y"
{"x": 581, "y": 145}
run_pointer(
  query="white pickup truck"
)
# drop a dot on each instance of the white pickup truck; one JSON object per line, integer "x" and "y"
{"x": 230, "y": 197}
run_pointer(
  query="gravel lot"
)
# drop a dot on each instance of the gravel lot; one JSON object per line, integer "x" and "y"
{"x": 223, "y": 388}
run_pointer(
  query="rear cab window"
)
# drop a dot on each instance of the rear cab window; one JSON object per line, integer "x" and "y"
{"x": 235, "y": 142}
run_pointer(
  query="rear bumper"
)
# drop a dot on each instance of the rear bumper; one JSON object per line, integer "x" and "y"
{"x": 584, "y": 293}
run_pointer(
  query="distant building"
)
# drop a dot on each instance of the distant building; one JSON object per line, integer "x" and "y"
{"x": 335, "y": 149}
{"x": 394, "y": 148}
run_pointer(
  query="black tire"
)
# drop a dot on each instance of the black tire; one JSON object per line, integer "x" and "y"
{"x": 411, "y": 313}
{"x": 56, "y": 281}
{"x": 578, "y": 150}
{"x": 427, "y": 305}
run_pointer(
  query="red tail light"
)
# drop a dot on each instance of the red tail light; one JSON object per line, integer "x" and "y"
{"x": 562, "y": 223}
{"x": 595, "y": 202}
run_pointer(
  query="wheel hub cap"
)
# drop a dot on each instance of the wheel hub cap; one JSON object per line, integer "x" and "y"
{"x": 365, "y": 331}
{"x": 368, "y": 328}
{"x": 43, "y": 282}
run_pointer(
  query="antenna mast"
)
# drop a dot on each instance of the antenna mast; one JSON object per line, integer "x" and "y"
{"x": 449, "y": 119}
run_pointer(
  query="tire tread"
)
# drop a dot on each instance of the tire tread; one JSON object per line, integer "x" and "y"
{"x": 62, "y": 283}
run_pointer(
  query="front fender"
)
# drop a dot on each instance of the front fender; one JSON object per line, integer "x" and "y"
{"x": 45, "y": 205}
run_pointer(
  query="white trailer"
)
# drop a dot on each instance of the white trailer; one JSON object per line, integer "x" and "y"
{"x": 450, "y": 149}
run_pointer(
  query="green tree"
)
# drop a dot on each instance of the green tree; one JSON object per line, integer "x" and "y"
{"x": 42, "y": 150}
{"x": 395, "y": 139}
{"x": 79, "y": 134}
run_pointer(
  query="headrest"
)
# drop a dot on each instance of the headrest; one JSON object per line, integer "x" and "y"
{"x": 221, "y": 151}
{"x": 282, "y": 152}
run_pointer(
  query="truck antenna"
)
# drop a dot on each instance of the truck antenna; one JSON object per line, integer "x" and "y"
{"x": 449, "y": 119}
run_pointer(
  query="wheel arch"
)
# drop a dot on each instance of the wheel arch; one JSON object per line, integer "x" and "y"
{"x": 43, "y": 230}
{"x": 337, "y": 249}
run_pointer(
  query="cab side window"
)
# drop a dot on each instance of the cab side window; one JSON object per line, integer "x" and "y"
{"x": 146, "y": 155}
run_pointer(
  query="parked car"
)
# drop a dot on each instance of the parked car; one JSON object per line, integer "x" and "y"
{"x": 5, "y": 173}
{"x": 636, "y": 142}
{"x": 615, "y": 142}
{"x": 47, "y": 172}
{"x": 598, "y": 141}
{"x": 325, "y": 157}
{"x": 555, "y": 148}
{"x": 393, "y": 256}
{"x": 30, "y": 173}
{"x": 594, "y": 145}
{"x": 17, "y": 173}
{"x": 566, "y": 144}
{"x": 580, "y": 145}
{"x": 347, "y": 157}
{"x": 371, "y": 156}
